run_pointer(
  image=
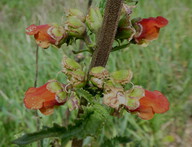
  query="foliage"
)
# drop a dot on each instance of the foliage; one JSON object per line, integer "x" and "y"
{"x": 173, "y": 61}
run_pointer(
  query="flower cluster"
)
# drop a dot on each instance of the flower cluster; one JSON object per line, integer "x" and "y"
{"x": 138, "y": 31}
{"x": 136, "y": 99}
{"x": 112, "y": 85}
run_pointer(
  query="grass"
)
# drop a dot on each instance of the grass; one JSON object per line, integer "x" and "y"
{"x": 165, "y": 65}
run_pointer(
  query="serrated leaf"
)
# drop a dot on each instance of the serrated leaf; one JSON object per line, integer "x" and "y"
{"x": 55, "y": 131}
{"x": 85, "y": 94}
{"x": 89, "y": 124}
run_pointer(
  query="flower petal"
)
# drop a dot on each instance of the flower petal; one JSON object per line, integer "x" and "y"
{"x": 47, "y": 111}
{"x": 32, "y": 30}
{"x": 35, "y": 97}
{"x": 156, "y": 100}
{"x": 150, "y": 28}
{"x": 145, "y": 113}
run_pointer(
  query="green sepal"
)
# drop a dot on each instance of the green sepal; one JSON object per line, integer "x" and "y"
{"x": 136, "y": 92}
{"x": 122, "y": 76}
{"x": 99, "y": 72}
{"x": 77, "y": 78}
{"x": 70, "y": 64}
{"x": 132, "y": 104}
{"x": 75, "y": 27}
{"x": 77, "y": 13}
{"x": 94, "y": 20}
{"x": 54, "y": 86}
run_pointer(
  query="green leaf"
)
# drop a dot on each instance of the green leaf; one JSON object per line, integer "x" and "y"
{"x": 89, "y": 124}
{"x": 85, "y": 94}
{"x": 55, "y": 131}
{"x": 115, "y": 141}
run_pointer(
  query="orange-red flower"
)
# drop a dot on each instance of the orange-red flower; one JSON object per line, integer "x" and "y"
{"x": 149, "y": 29}
{"x": 41, "y": 98}
{"x": 153, "y": 102}
{"x": 45, "y": 35}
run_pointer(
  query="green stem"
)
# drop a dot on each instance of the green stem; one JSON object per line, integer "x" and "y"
{"x": 120, "y": 47}
{"x": 81, "y": 51}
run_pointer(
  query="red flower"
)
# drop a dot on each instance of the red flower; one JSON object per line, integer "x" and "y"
{"x": 153, "y": 102}
{"x": 41, "y": 98}
{"x": 45, "y": 35}
{"x": 149, "y": 29}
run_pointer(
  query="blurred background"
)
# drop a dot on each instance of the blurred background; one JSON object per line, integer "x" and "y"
{"x": 165, "y": 65}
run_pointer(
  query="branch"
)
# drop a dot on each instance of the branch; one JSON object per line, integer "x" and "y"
{"x": 107, "y": 33}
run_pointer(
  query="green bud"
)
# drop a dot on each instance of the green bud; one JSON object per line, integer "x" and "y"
{"x": 77, "y": 79}
{"x": 77, "y": 13}
{"x": 61, "y": 96}
{"x": 125, "y": 29}
{"x": 137, "y": 27}
{"x": 125, "y": 33}
{"x": 69, "y": 64}
{"x": 58, "y": 33}
{"x": 75, "y": 27}
{"x": 55, "y": 87}
{"x": 109, "y": 85}
{"x": 94, "y": 20}
{"x": 99, "y": 72}
{"x": 132, "y": 104}
{"x": 136, "y": 92}
{"x": 122, "y": 76}
{"x": 98, "y": 75}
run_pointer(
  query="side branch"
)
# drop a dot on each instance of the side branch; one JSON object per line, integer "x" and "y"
{"x": 107, "y": 33}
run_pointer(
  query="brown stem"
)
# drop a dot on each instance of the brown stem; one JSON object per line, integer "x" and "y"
{"x": 105, "y": 41}
{"x": 107, "y": 33}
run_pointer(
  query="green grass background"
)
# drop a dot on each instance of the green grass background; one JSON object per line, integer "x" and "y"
{"x": 165, "y": 65}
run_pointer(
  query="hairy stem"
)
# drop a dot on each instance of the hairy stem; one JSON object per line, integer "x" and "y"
{"x": 105, "y": 41}
{"x": 107, "y": 33}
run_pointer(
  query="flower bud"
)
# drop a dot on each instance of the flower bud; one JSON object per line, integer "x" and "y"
{"x": 75, "y": 27}
{"x": 98, "y": 76}
{"x": 115, "y": 98}
{"x": 58, "y": 33}
{"x": 109, "y": 85}
{"x": 77, "y": 79}
{"x": 99, "y": 72}
{"x": 136, "y": 92}
{"x": 69, "y": 65}
{"x": 94, "y": 20}
{"x": 55, "y": 87}
{"x": 122, "y": 76}
{"x": 76, "y": 13}
{"x": 125, "y": 29}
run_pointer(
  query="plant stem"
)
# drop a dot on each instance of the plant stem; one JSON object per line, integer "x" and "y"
{"x": 107, "y": 33}
{"x": 105, "y": 41}
{"x": 120, "y": 47}
{"x": 40, "y": 143}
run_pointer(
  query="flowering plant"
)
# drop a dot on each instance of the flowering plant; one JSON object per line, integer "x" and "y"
{"x": 96, "y": 93}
